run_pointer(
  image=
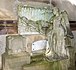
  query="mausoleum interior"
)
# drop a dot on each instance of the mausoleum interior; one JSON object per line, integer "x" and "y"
{"x": 37, "y": 35}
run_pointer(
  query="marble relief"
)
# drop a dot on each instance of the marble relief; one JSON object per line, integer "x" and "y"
{"x": 49, "y": 22}
{"x": 44, "y": 36}
{"x": 29, "y": 16}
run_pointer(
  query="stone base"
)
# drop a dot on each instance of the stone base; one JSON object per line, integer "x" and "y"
{"x": 11, "y": 62}
{"x": 44, "y": 65}
{"x": 41, "y": 65}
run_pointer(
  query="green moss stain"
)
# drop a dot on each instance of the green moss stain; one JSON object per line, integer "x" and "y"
{"x": 46, "y": 65}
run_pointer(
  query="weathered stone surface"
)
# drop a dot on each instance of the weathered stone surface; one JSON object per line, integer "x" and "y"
{"x": 15, "y": 44}
{"x": 37, "y": 13}
{"x": 56, "y": 30}
{"x": 21, "y": 43}
{"x": 13, "y": 62}
{"x": 44, "y": 65}
{"x": 15, "y": 56}
{"x": 2, "y": 43}
{"x": 18, "y": 50}
{"x": 30, "y": 42}
{"x": 2, "y": 47}
{"x": 38, "y": 66}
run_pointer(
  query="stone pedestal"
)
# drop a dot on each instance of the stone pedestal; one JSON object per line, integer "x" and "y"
{"x": 15, "y": 55}
{"x": 18, "y": 49}
{"x": 44, "y": 65}
{"x": 14, "y": 62}
{"x": 41, "y": 65}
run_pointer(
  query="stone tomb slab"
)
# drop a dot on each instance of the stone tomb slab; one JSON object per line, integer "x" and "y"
{"x": 15, "y": 44}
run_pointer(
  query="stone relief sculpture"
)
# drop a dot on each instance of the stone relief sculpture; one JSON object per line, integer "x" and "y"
{"x": 54, "y": 43}
{"x": 55, "y": 27}
{"x": 36, "y": 16}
